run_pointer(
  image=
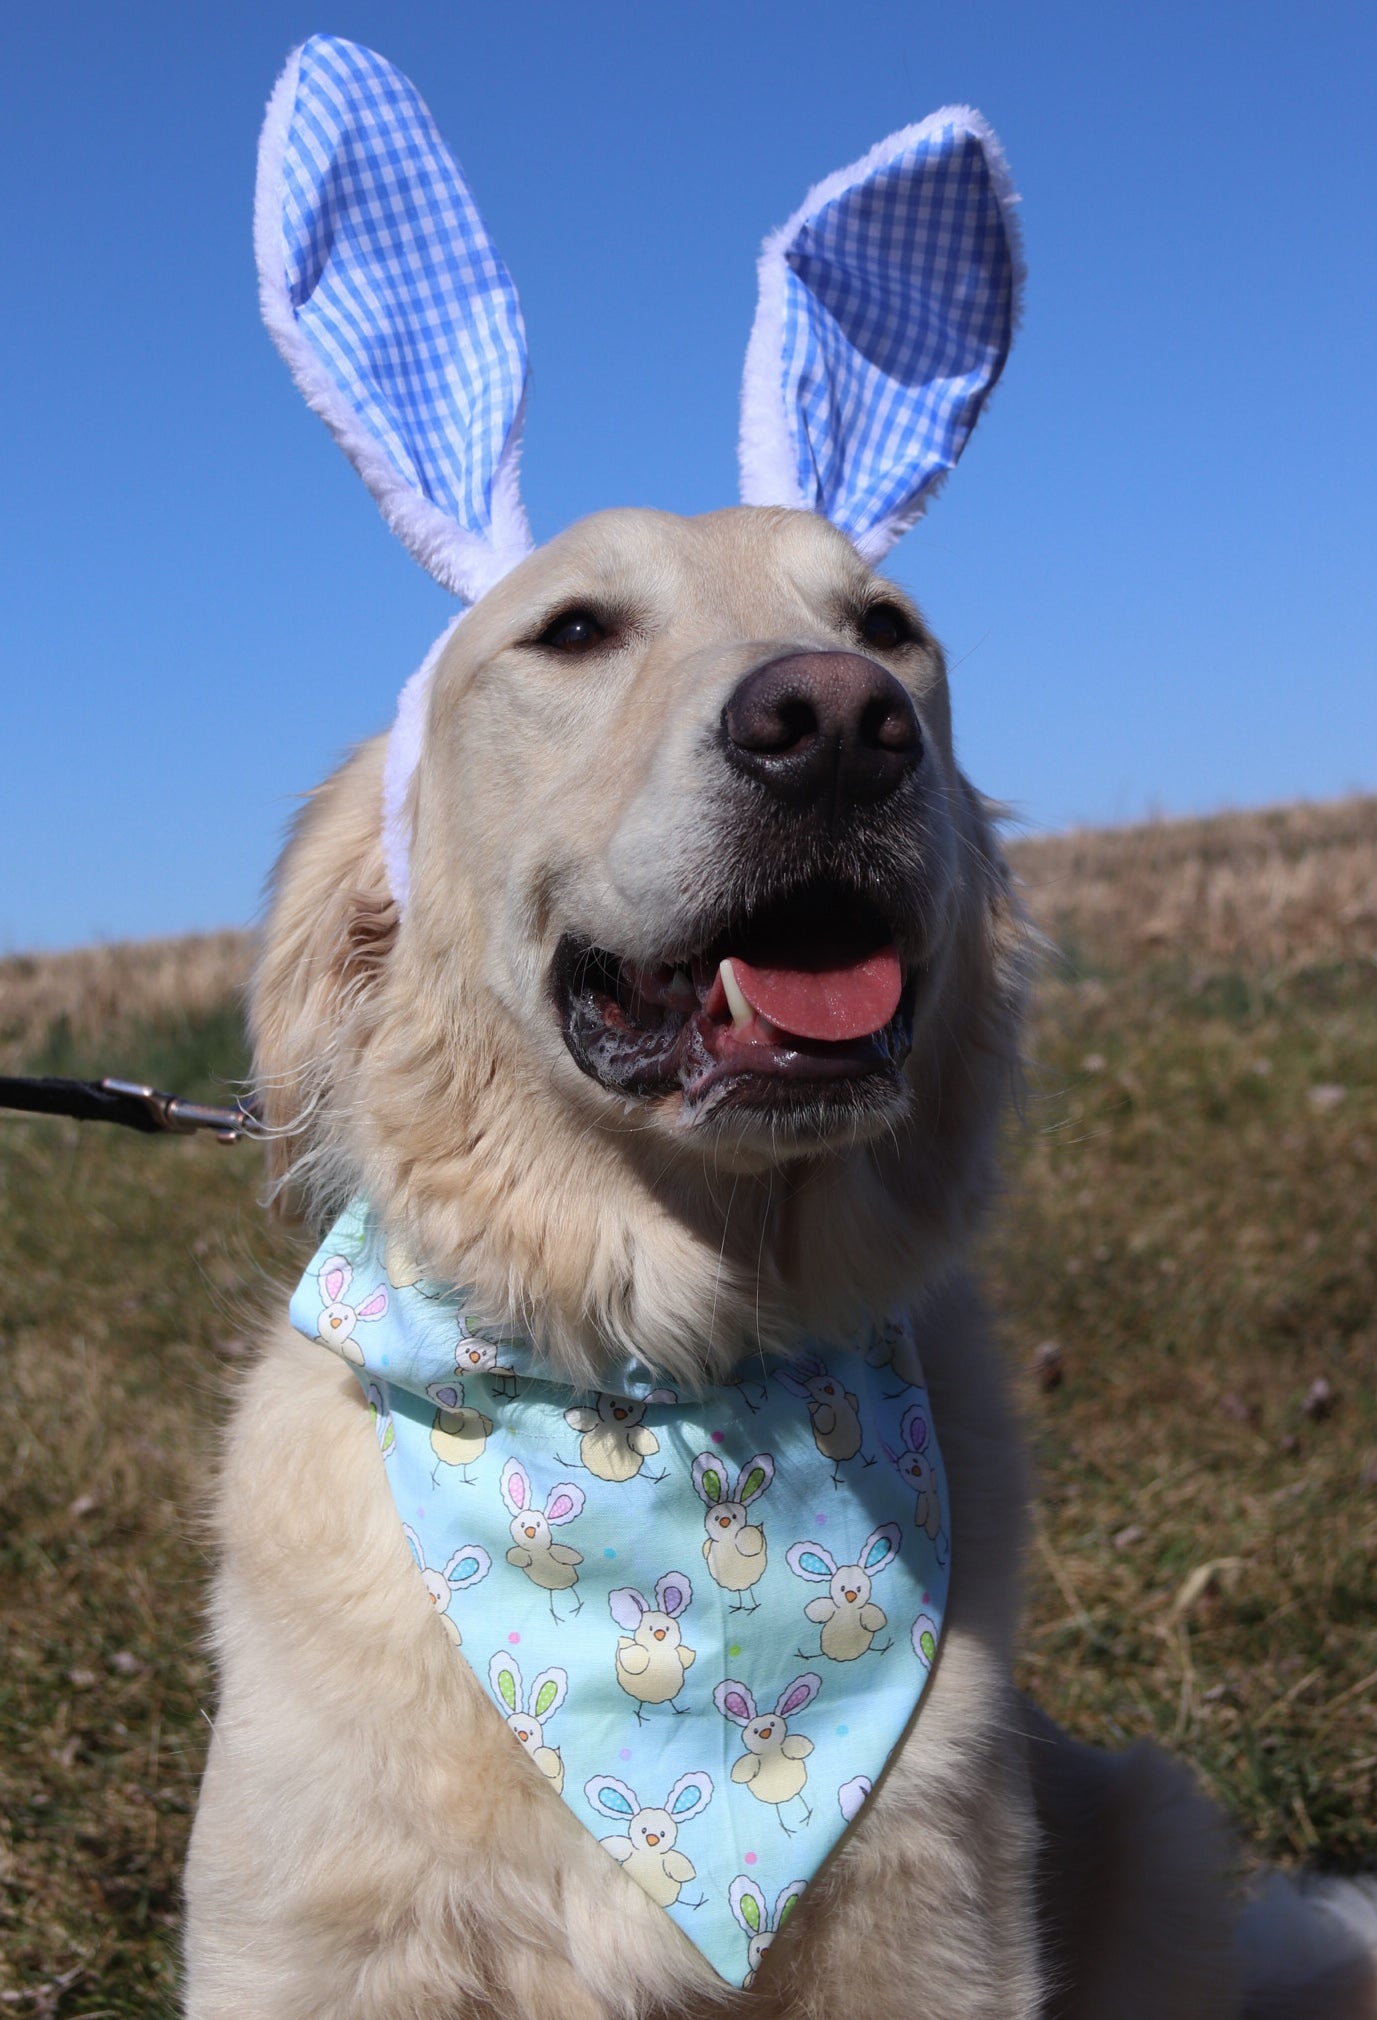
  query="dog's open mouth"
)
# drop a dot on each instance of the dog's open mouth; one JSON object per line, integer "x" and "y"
{"x": 801, "y": 1002}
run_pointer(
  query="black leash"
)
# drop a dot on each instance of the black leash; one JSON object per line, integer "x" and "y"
{"x": 127, "y": 1102}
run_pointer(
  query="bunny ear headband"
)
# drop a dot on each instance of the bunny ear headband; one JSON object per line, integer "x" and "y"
{"x": 887, "y": 307}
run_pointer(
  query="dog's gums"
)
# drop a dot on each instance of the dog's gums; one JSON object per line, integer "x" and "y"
{"x": 805, "y": 1001}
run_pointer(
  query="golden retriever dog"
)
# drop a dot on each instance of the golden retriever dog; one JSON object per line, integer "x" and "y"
{"x": 653, "y": 748}
{"x": 577, "y": 793}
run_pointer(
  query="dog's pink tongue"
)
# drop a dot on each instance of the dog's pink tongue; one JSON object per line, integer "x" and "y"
{"x": 830, "y": 1004}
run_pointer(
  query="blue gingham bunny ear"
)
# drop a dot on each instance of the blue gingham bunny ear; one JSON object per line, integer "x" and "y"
{"x": 887, "y": 307}
{"x": 384, "y": 293}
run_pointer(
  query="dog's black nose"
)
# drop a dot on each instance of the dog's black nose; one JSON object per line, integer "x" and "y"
{"x": 815, "y": 726}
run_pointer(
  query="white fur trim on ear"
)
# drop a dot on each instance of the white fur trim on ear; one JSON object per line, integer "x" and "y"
{"x": 865, "y": 431}
{"x": 765, "y": 452}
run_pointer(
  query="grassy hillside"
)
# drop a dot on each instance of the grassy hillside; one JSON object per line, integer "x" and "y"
{"x": 1187, "y": 1276}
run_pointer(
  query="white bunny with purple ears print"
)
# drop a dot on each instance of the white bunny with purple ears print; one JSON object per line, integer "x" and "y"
{"x": 458, "y": 1434}
{"x": 915, "y": 1467}
{"x": 832, "y": 1410}
{"x": 652, "y": 1657}
{"x": 886, "y": 310}
{"x": 335, "y": 1326}
{"x": 774, "y": 1765}
{"x": 747, "y": 1903}
{"x": 646, "y": 1849}
{"x": 469, "y": 1564}
{"x": 554, "y": 1567}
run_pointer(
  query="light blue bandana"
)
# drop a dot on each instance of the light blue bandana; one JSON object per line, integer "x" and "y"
{"x": 708, "y": 1620}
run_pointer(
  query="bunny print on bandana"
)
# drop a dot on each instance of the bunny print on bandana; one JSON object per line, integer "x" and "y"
{"x": 459, "y": 1436}
{"x": 760, "y": 1928}
{"x": 647, "y": 1847}
{"x": 832, "y": 1410}
{"x": 845, "y": 1613}
{"x": 466, "y": 1566}
{"x": 338, "y": 1320}
{"x": 529, "y": 1711}
{"x": 916, "y": 1468}
{"x": 652, "y": 1656}
{"x": 550, "y": 1565}
{"x": 774, "y": 1765}
{"x": 616, "y": 1443}
{"x": 735, "y": 1549}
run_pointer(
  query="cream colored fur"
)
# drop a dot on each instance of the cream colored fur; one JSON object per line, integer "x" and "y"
{"x": 371, "y": 1843}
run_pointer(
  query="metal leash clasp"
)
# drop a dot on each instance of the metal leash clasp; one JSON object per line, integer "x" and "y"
{"x": 184, "y": 1118}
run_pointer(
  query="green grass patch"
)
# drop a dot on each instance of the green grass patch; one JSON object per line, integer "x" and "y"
{"x": 1190, "y": 1222}
{"x": 133, "y": 1270}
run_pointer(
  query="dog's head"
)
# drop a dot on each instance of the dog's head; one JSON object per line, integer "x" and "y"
{"x": 688, "y": 817}
{"x": 692, "y": 1027}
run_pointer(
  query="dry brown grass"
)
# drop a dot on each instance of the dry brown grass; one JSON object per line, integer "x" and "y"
{"x": 1189, "y": 1220}
{"x": 1271, "y": 892}
{"x": 93, "y": 990}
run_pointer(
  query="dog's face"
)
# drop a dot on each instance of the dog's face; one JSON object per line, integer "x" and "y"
{"x": 708, "y": 981}
{"x": 685, "y": 816}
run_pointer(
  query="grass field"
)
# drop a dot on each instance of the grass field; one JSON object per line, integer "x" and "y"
{"x": 1188, "y": 1244}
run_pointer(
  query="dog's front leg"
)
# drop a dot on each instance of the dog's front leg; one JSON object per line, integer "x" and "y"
{"x": 930, "y": 1910}
{"x": 1133, "y": 1888}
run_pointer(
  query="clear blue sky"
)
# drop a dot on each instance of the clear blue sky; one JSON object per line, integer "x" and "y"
{"x": 1155, "y": 571}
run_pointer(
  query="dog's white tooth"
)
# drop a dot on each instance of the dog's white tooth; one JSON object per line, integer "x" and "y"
{"x": 736, "y": 1002}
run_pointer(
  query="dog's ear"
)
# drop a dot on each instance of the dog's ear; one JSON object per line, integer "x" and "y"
{"x": 381, "y": 288}
{"x": 330, "y": 927}
{"x": 887, "y": 307}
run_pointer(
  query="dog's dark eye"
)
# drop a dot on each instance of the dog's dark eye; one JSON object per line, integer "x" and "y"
{"x": 886, "y": 626}
{"x": 573, "y": 631}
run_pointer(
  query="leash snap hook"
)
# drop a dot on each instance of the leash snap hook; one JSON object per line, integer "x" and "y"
{"x": 183, "y": 1118}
